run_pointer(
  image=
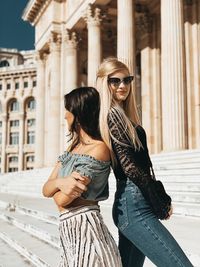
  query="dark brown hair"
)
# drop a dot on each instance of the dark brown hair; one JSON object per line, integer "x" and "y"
{"x": 84, "y": 104}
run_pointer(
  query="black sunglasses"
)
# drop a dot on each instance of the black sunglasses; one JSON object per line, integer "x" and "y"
{"x": 116, "y": 81}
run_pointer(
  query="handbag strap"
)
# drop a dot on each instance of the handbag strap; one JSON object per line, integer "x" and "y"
{"x": 152, "y": 173}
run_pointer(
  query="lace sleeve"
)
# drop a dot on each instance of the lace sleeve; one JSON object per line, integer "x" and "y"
{"x": 125, "y": 151}
{"x": 152, "y": 190}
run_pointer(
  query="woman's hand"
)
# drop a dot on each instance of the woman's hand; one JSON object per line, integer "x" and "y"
{"x": 170, "y": 213}
{"x": 73, "y": 185}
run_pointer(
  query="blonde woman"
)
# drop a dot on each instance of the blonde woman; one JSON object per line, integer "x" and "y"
{"x": 138, "y": 203}
{"x": 85, "y": 239}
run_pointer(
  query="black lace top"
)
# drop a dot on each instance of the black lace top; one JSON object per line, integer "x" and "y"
{"x": 131, "y": 163}
{"x": 136, "y": 164}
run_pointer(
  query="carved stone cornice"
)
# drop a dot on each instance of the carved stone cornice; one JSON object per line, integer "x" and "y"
{"x": 93, "y": 16}
{"x": 34, "y": 10}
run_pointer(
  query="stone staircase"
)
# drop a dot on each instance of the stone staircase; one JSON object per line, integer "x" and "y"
{"x": 180, "y": 172}
{"x": 32, "y": 236}
{"x": 29, "y": 225}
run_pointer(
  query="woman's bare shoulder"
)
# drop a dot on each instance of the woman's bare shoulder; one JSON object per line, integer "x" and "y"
{"x": 100, "y": 151}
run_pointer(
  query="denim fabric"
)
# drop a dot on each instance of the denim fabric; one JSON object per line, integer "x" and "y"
{"x": 141, "y": 233}
{"x": 97, "y": 170}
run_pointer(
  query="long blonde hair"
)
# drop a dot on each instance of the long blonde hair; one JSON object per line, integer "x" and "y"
{"x": 125, "y": 115}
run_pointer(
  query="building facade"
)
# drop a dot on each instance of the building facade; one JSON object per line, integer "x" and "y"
{"x": 158, "y": 39}
{"x": 17, "y": 110}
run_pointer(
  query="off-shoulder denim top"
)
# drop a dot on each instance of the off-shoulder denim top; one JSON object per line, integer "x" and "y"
{"x": 86, "y": 165}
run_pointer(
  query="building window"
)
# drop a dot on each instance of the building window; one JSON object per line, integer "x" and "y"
{"x": 12, "y": 169}
{"x": 14, "y": 138}
{"x": 4, "y": 63}
{"x": 0, "y": 138}
{"x": 0, "y": 107}
{"x": 13, "y": 159}
{"x": 30, "y": 159}
{"x": 31, "y": 137}
{"x": 0, "y": 124}
{"x": 31, "y": 104}
{"x": 1, "y": 86}
{"x": 16, "y": 85}
{"x": 8, "y": 86}
{"x": 14, "y": 123}
{"x": 25, "y": 84}
{"x": 34, "y": 83}
{"x": 31, "y": 122}
{"x": 14, "y": 106}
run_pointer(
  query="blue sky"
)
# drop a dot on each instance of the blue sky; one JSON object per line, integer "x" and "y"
{"x": 14, "y": 32}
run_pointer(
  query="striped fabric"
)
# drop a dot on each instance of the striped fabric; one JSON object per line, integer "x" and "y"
{"x": 85, "y": 239}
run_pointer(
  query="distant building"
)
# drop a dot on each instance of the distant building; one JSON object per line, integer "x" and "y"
{"x": 17, "y": 110}
{"x": 158, "y": 39}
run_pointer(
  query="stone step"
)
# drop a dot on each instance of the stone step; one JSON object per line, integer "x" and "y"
{"x": 186, "y": 172}
{"x": 190, "y": 210}
{"x": 182, "y": 186}
{"x": 46, "y": 253}
{"x": 178, "y": 177}
{"x": 34, "y": 203}
{"x": 13, "y": 208}
{"x": 46, "y": 235}
{"x": 184, "y": 154}
{"x": 188, "y": 197}
{"x": 42, "y": 230}
{"x": 177, "y": 166}
{"x": 15, "y": 259}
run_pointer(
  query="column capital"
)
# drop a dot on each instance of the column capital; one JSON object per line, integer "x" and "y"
{"x": 93, "y": 16}
{"x": 55, "y": 42}
{"x": 40, "y": 56}
{"x": 144, "y": 23}
{"x": 70, "y": 39}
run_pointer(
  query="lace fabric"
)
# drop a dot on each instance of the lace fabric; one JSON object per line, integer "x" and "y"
{"x": 136, "y": 164}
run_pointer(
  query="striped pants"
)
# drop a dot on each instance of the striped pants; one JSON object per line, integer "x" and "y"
{"x": 85, "y": 239}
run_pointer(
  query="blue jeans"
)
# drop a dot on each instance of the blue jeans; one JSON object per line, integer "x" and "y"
{"x": 141, "y": 233}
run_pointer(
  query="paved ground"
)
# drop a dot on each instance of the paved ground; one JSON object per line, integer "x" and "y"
{"x": 185, "y": 230}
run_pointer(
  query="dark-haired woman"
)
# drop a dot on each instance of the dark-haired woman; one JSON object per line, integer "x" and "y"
{"x": 85, "y": 240}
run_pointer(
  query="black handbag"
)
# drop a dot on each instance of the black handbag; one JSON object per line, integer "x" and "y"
{"x": 159, "y": 200}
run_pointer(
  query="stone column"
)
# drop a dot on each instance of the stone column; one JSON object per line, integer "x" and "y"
{"x": 53, "y": 115}
{"x": 71, "y": 61}
{"x": 93, "y": 19}
{"x": 21, "y": 139}
{"x": 126, "y": 33}
{"x": 40, "y": 110}
{"x": 148, "y": 27}
{"x": 192, "y": 48}
{"x": 3, "y": 145}
{"x": 173, "y": 76}
{"x": 69, "y": 73}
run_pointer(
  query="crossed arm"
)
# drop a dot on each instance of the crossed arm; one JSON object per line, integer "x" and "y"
{"x": 64, "y": 190}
